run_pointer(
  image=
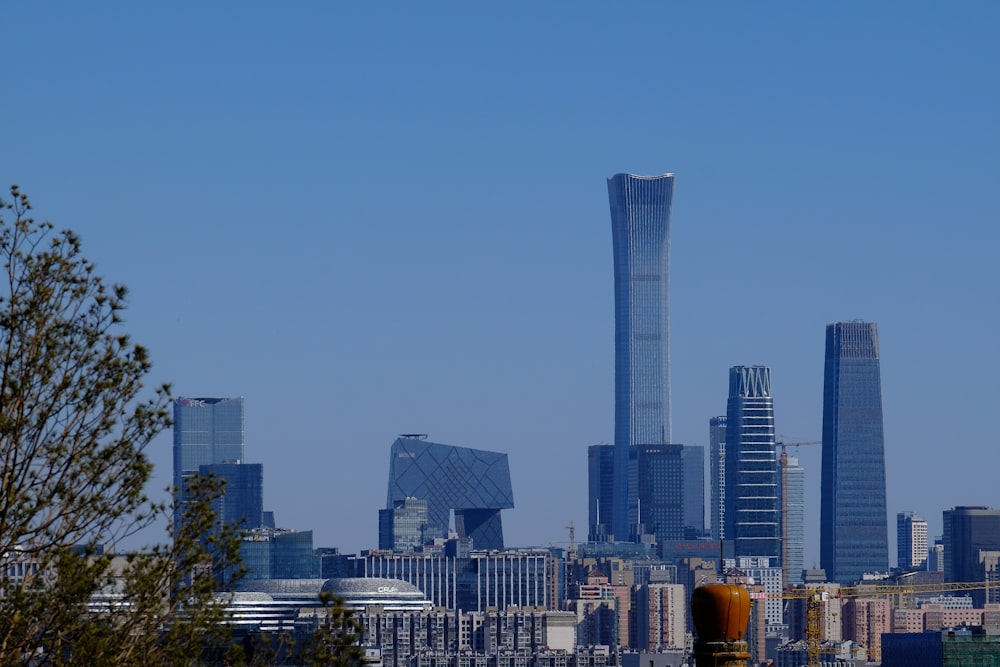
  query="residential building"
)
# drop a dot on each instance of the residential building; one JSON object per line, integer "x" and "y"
{"x": 911, "y": 541}
{"x": 473, "y": 483}
{"x": 865, "y": 621}
{"x": 753, "y": 505}
{"x": 660, "y": 617}
{"x": 640, "y": 224}
{"x": 717, "y": 476}
{"x": 853, "y": 518}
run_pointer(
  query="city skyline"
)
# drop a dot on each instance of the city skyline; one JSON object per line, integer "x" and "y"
{"x": 373, "y": 220}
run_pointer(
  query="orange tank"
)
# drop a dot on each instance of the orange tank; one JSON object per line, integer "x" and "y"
{"x": 721, "y": 612}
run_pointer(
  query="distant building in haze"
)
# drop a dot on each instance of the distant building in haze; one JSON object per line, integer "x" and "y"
{"x": 206, "y": 431}
{"x": 753, "y": 506}
{"x": 853, "y": 517}
{"x": 793, "y": 529}
{"x": 473, "y": 483}
{"x": 406, "y": 526}
{"x": 911, "y": 541}
{"x": 600, "y": 474}
{"x": 717, "y": 475}
{"x": 693, "y": 458}
{"x": 640, "y": 225}
{"x": 971, "y": 536}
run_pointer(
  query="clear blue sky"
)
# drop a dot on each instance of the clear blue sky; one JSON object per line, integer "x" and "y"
{"x": 377, "y": 218}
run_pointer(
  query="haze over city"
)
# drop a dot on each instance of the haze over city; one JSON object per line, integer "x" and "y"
{"x": 381, "y": 219}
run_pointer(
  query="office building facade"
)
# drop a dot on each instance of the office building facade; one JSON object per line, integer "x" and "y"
{"x": 658, "y": 471}
{"x": 600, "y": 487}
{"x": 753, "y": 505}
{"x": 693, "y": 459}
{"x": 242, "y": 504}
{"x": 793, "y": 520}
{"x": 911, "y": 541}
{"x": 406, "y": 526}
{"x": 473, "y": 483}
{"x": 717, "y": 476}
{"x": 206, "y": 431}
{"x": 971, "y": 534}
{"x": 640, "y": 223}
{"x": 853, "y": 517}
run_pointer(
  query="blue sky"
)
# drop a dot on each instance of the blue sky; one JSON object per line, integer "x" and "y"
{"x": 378, "y": 218}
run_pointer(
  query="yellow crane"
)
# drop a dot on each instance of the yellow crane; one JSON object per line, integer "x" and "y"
{"x": 815, "y": 597}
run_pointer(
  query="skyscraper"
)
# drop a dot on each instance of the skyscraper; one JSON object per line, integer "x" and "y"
{"x": 206, "y": 431}
{"x": 717, "y": 475}
{"x": 853, "y": 517}
{"x": 658, "y": 471}
{"x": 472, "y": 482}
{"x": 243, "y": 501}
{"x": 693, "y": 457}
{"x": 753, "y": 506}
{"x": 971, "y": 534}
{"x": 600, "y": 470}
{"x": 793, "y": 520}
{"x": 640, "y": 225}
{"x": 911, "y": 541}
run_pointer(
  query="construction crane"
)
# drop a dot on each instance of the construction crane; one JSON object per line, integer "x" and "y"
{"x": 815, "y": 597}
{"x": 784, "y": 501}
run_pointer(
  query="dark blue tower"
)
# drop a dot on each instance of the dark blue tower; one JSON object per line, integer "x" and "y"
{"x": 853, "y": 518}
{"x": 640, "y": 226}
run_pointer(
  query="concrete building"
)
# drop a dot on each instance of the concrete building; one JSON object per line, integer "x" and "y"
{"x": 660, "y": 613}
{"x": 865, "y": 621}
{"x": 911, "y": 541}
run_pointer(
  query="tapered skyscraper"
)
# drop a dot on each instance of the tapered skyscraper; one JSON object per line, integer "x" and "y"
{"x": 853, "y": 520}
{"x": 640, "y": 225}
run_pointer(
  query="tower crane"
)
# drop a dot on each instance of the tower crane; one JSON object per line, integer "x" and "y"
{"x": 815, "y": 597}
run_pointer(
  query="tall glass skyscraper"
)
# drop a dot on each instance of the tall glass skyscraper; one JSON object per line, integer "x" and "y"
{"x": 206, "y": 431}
{"x": 793, "y": 521}
{"x": 717, "y": 475}
{"x": 853, "y": 519}
{"x": 753, "y": 505}
{"x": 640, "y": 225}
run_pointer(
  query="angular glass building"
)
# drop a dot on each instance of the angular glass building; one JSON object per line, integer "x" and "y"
{"x": 753, "y": 504}
{"x": 206, "y": 431}
{"x": 640, "y": 226}
{"x": 853, "y": 519}
{"x": 472, "y": 482}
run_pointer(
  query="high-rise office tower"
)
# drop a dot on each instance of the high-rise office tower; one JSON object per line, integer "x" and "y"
{"x": 853, "y": 519}
{"x": 793, "y": 520}
{"x": 242, "y": 504}
{"x": 658, "y": 471}
{"x": 911, "y": 541}
{"x": 600, "y": 471}
{"x": 753, "y": 507}
{"x": 640, "y": 225}
{"x": 971, "y": 535}
{"x": 717, "y": 475}
{"x": 206, "y": 431}
{"x": 693, "y": 458}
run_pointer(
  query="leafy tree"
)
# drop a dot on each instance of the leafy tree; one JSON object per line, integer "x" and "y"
{"x": 73, "y": 431}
